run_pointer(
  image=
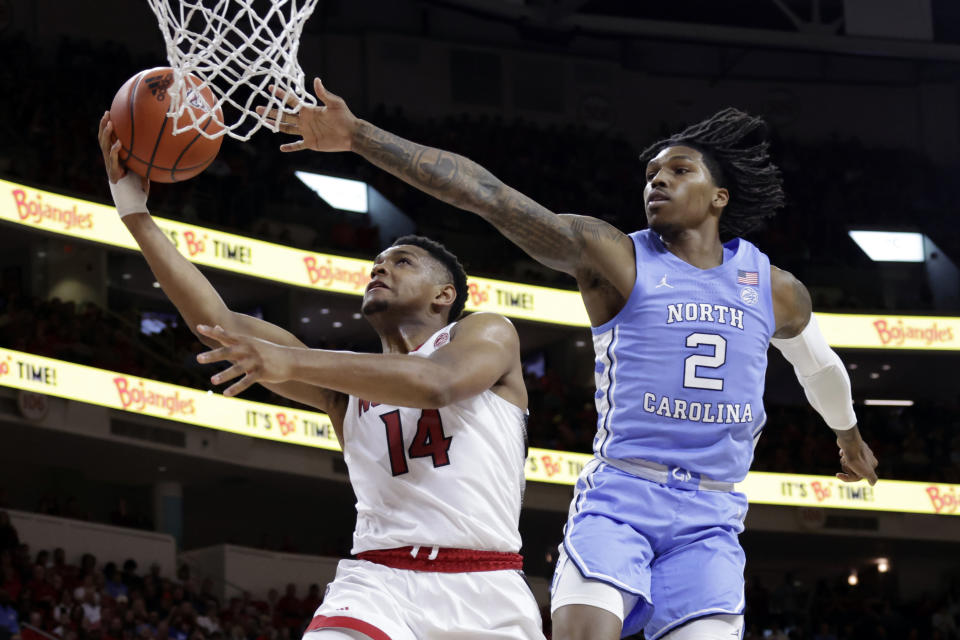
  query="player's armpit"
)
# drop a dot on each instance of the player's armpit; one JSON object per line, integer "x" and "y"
{"x": 791, "y": 303}
{"x": 605, "y": 252}
{"x": 482, "y": 351}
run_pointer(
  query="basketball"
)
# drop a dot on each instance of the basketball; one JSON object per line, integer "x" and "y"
{"x": 148, "y": 145}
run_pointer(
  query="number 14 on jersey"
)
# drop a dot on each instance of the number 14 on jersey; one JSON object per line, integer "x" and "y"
{"x": 428, "y": 441}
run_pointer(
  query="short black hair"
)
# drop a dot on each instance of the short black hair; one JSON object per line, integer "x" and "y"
{"x": 458, "y": 277}
{"x": 735, "y": 148}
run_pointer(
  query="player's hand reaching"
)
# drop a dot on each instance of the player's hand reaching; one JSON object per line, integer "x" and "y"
{"x": 255, "y": 359}
{"x": 110, "y": 148}
{"x": 326, "y": 127}
{"x": 856, "y": 458}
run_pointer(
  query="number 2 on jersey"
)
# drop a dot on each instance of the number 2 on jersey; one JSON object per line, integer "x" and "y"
{"x": 428, "y": 441}
{"x": 690, "y": 378}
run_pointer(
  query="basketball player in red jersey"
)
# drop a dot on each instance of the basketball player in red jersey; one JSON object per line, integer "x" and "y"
{"x": 432, "y": 431}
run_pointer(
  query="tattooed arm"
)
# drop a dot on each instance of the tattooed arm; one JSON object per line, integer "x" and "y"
{"x": 585, "y": 247}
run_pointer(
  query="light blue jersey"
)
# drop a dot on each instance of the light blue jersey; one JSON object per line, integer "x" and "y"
{"x": 680, "y": 370}
{"x": 680, "y": 374}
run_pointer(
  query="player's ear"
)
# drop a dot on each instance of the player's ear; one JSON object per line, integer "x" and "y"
{"x": 721, "y": 198}
{"x": 446, "y": 295}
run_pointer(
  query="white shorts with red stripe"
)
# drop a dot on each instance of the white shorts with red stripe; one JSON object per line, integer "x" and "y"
{"x": 383, "y": 603}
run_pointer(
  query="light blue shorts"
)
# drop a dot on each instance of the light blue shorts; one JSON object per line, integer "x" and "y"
{"x": 673, "y": 545}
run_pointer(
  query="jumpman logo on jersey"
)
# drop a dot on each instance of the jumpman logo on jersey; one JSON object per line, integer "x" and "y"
{"x": 664, "y": 283}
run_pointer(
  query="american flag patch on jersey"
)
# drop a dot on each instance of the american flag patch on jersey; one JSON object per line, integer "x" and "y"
{"x": 748, "y": 277}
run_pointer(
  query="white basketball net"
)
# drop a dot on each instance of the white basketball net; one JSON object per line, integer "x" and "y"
{"x": 238, "y": 48}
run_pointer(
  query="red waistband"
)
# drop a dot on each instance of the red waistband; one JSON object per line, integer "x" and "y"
{"x": 444, "y": 560}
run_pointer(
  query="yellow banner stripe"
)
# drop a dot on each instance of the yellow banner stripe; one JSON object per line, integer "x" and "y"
{"x": 68, "y": 216}
{"x": 312, "y": 429}
{"x": 162, "y": 400}
{"x": 94, "y": 222}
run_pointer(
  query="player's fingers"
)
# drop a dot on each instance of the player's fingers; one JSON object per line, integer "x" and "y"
{"x": 218, "y": 333}
{"x": 275, "y": 114}
{"x": 240, "y": 386}
{"x": 299, "y": 145}
{"x": 325, "y": 96}
{"x": 321, "y": 91}
{"x": 215, "y": 355}
{"x": 105, "y": 136}
{"x": 291, "y": 127}
{"x": 289, "y": 99}
{"x": 104, "y": 119}
{"x": 846, "y": 477}
{"x": 228, "y": 374}
{"x": 115, "y": 170}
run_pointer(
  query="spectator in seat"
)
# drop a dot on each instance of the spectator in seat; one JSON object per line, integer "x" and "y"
{"x": 113, "y": 585}
{"x": 9, "y": 627}
{"x": 129, "y": 576}
{"x": 91, "y": 609}
{"x": 10, "y": 581}
{"x": 289, "y": 608}
{"x": 207, "y": 597}
{"x": 43, "y": 558}
{"x": 41, "y": 589}
{"x": 66, "y": 571}
{"x": 88, "y": 565}
{"x": 207, "y": 620}
{"x": 273, "y": 596}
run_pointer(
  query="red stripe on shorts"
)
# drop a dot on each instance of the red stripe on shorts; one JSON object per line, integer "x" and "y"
{"x": 446, "y": 560}
{"x": 343, "y": 622}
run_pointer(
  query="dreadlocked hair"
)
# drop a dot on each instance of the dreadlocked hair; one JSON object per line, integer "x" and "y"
{"x": 736, "y": 151}
{"x": 458, "y": 276}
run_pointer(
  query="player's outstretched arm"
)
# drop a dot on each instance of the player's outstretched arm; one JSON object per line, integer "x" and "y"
{"x": 573, "y": 244}
{"x": 821, "y": 373}
{"x": 186, "y": 287}
{"x": 482, "y": 350}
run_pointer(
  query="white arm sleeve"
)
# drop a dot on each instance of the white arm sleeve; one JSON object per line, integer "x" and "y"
{"x": 822, "y": 375}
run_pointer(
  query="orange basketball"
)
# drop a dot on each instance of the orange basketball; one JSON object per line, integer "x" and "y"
{"x": 148, "y": 146}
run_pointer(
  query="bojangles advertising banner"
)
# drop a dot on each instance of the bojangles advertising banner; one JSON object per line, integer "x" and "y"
{"x": 787, "y": 489}
{"x": 162, "y": 400}
{"x": 68, "y": 216}
{"x": 312, "y": 429}
{"x": 860, "y": 331}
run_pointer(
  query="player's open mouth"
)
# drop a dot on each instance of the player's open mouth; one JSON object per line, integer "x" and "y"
{"x": 657, "y": 196}
{"x": 376, "y": 284}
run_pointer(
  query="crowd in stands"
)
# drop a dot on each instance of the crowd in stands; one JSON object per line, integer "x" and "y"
{"x": 46, "y": 593}
{"x": 43, "y": 596}
{"x": 827, "y": 610}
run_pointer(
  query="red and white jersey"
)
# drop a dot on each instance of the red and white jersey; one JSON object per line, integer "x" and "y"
{"x": 449, "y": 477}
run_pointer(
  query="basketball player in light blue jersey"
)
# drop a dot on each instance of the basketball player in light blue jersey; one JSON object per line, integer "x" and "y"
{"x": 681, "y": 326}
